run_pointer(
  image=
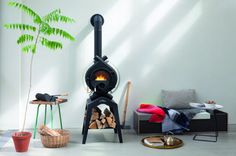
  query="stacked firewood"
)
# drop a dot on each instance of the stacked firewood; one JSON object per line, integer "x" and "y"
{"x": 44, "y": 130}
{"x": 101, "y": 119}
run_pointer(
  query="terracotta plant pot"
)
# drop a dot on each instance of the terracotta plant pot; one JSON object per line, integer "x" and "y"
{"x": 21, "y": 141}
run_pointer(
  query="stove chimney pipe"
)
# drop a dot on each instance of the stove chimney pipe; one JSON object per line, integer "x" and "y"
{"x": 97, "y": 22}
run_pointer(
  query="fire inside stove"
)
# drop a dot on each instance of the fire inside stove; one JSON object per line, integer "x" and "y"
{"x": 101, "y": 76}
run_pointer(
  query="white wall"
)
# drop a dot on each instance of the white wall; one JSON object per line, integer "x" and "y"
{"x": 157, "y": 44}
{"x": 9, "y": 69}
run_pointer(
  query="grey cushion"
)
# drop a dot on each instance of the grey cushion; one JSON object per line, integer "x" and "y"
{"x": 178, "y": 99}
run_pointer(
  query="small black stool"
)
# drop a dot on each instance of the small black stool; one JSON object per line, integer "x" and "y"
{"x": 88, "y": 111}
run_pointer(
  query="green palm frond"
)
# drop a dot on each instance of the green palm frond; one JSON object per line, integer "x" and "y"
{"x": 60, "y": 18}
{"x": 55, "y": 16}
{"x": 47, "y": 30}
{"x": 66, "y": 19}
{"x": 25, "y": 37}
{"x": 27, "y": 10}
{"x": 20, "y": 26}
{"x": 28, "y": 48}
{"x": 62, "y": 33}
{"x": 49, "y": 16}
{"x": 51, "y": 44}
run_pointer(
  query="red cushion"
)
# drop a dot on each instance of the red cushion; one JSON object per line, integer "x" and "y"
{"x": 158, "y": 114}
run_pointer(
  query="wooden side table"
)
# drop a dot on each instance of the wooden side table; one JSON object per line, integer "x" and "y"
{"x": 46, "y": 103}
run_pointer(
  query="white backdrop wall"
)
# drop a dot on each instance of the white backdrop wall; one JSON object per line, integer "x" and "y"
{"x": 9, "y": 69}
{"x": 156, "y": 44}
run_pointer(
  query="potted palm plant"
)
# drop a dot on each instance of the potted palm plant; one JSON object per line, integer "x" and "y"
{"x": 32, "y": 36}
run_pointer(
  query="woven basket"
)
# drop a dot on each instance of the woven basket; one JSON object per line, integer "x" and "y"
{"x": 56, "y": 141}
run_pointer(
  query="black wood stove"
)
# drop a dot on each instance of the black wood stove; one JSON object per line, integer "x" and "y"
{"x": 101, "y": 78}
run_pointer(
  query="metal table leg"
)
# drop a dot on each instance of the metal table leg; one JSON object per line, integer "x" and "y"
{"x": 36, "y": 122}
{"x": 59, "y": 110}
{"x": 45, "y": 115}
{"x": 51, "y": 117}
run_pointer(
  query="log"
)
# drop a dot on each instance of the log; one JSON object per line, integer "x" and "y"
{"x": 111, "y": 115}
{"x": 95, "y": 116}
{"x": 107, "y": 112}
{"x": 109, "y": 121}
{"x": 96, "y": 109}
{"x": 93, "y": 125}
{"x": 106, "y": 125}
{"x": 113, "y": 125}
{"x": 113, "y": 119}
{"x": 103, "y": 121}
{"x": 47, "y": 131}
{"x": 103, "y": 126}
{"x": 99, "y": 125}
{"x": 102, "y": 117}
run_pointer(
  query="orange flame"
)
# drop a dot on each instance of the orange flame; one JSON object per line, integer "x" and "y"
{"x": 100, "y": 78}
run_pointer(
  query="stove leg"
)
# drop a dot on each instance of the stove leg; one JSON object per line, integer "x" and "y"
{"x": 84, "y": 119}
{"x": 118, "y": 127}
{"x": 115, "y": 130}
{"x": 83, "y": 129}
{"x": 86, "y": 125}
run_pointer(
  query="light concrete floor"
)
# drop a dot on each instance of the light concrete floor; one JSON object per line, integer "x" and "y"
{"x": 105, "y": 143}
